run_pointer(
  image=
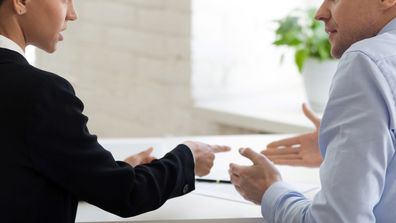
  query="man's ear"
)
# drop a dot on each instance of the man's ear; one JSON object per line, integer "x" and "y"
{"x": 20, "y": 6}
{"x": 387, "y": 4}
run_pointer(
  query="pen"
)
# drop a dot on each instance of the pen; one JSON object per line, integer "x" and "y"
{"x": 213, "y": 181}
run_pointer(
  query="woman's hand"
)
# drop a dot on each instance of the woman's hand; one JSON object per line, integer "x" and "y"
{"x": 204, "y": 155}
{"x": 140, "y": 158}
{"x": 302, "y": 150}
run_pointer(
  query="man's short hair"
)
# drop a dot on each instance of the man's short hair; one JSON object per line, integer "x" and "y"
{"x": 1, "y": 1}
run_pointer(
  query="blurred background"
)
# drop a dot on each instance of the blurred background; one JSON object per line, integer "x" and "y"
{"x": 148, "y": 68}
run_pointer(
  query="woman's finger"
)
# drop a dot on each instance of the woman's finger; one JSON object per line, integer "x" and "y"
{"x": 220, "y": 149}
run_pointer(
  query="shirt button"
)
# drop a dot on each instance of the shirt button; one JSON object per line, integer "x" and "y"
{"x": 185, "y": 188}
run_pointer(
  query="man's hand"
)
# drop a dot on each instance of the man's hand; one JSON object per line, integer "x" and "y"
{"x": 204, "y": 155}
{"x": 302, "y": 150}
{"x": 252, "y": 181}
{"x": 143, "y": 157}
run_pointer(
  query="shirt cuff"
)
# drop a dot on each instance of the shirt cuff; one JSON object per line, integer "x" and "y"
{"x": 271, "y": 198}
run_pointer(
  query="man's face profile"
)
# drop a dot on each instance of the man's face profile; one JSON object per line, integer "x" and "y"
{"x": 349, "y": 21}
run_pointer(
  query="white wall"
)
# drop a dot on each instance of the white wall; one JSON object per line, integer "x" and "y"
{"x": 129, "y": 61}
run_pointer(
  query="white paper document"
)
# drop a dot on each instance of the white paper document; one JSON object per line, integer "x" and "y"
{"x": 304, "y": 180}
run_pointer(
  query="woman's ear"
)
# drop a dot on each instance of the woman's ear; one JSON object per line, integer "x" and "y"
{"x": 20, "y": 6}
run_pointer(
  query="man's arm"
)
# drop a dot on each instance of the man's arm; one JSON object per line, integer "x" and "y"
{"x": 357, "y": 144}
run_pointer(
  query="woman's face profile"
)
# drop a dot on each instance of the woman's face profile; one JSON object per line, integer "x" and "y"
{"x": 44, "y": 20}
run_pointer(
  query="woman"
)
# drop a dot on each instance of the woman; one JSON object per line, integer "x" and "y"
{"x": 49, "y": 159}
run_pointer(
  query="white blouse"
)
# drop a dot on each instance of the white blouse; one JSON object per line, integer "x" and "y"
{"x": 11, "y": 45}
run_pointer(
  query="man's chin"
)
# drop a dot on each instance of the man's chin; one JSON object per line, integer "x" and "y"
{"x": 336, "y": 52}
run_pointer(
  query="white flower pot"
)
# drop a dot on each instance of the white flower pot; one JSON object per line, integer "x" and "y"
{"x": 317, "y": 77}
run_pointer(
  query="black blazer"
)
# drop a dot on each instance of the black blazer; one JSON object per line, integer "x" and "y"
{"x": 49, "y": 161}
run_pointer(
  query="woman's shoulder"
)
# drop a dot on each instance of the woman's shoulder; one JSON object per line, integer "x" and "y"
{"x": 31, "y": 87}
{"x": 47, "y": 80}
{"x": 25, "y": 77}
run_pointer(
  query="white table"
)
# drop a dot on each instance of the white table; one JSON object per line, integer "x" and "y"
{"x": 196, "y": 207}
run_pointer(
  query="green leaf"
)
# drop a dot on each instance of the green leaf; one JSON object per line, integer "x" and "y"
{"x": 323, "y": 51}
{"x": 300, "y": 31}
{"x": 300, "y": 57}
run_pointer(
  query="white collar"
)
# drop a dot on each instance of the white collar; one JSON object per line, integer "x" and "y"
{"x": 11, "y": 45}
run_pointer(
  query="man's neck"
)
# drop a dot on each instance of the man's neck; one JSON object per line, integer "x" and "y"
{"x": 385, "y": 19}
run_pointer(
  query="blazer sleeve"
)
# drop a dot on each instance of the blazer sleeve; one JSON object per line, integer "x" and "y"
{"x": 63, "y": 151}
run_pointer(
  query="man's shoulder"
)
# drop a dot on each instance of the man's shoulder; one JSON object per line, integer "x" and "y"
{"x": 379, "y": 47}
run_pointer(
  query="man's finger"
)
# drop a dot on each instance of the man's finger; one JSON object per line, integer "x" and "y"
{"x": 238, "y": 189}
{"x": 311, "y": 116}
{"x": 235, "y": 180}
{"x": 220, "y": 149}
{"x": 284, "y": 157}
{"x": 281, "y": 151}
{"x": 285, "y": 142}
{"x": 255, "y": 157}
{"x": 295, "y": 162}
{"x": 235, "y": 169}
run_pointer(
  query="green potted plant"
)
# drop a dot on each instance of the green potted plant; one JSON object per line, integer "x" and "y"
{"x": 300, "y": 31}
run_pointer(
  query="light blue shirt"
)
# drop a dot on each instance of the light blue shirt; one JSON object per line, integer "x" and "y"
{"x": 357, "y": 141}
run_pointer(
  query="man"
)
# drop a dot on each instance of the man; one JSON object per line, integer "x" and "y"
{"x": 356, "y": 135}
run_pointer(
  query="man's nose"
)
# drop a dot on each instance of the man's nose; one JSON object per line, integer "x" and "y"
{"x": 323, "y": 13}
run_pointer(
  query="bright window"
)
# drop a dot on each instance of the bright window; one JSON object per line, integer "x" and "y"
{"x": 232, "y": 49}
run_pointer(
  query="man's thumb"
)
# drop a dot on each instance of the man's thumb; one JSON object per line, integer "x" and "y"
{"x": 250, "y": 154}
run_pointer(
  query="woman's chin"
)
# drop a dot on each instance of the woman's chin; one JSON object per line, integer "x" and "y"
{"x": 50, "y": 49}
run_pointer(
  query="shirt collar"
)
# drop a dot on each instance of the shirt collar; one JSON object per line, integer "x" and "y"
{"x": 388, "y": 27}
{"x": 11, "y": 45}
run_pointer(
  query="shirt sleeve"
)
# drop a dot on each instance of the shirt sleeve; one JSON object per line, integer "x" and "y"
{"x": 64, "y": 152}
{"x": 357, "y": 144}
